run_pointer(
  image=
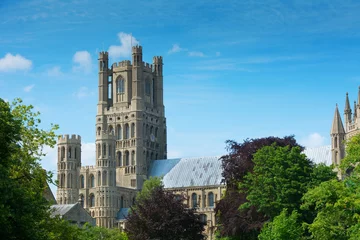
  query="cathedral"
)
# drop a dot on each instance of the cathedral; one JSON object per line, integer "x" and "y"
{"x": 339, "y": 133}
{"x": 131, "y": 146}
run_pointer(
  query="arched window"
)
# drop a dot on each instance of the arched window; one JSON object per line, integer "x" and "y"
{"x": 75, "y": 153}
{"x": 110, "y": 179}
{"x": 111, "y": 129}
{"x": 152, "y": 156}
{"x": 156, "y": 132}
{"x": 104, "y": 180}
{"x": 147, "y": 87}
{"x": 92, "y": 200}
{"x": 82, "y": 200}
{"x": 120, "y": 85}
{"x": 133, "y": 158}
{"x": 99, "y": 178}
{"x": 147, "y": 130}
{"x": 104, "y": 150}
{"x": 211, "y": 199}
{"x": 69, "y": 185}
{"x": 110, "y": 150}
{"x": 335, "y": 142}
{"x": 119, "y": 164}
{"x": 126, "y": 131}
{"x": 203, "y": 218}
{"x": 194, "y": 200}
{"x": 119, "y": 132}
{"x": 127, "y": 158}
{"x": 69, "y": 152}
{"x": 82, "y": 182}
{"x": 98, "y": 130}
{"x": 133, "y": 130}
{"x": 92, "y": 181}
{"x": 151, "y": 130}
{"x": 62, "y": 153}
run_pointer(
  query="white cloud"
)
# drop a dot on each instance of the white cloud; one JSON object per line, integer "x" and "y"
{"x": 82, "y": 60}
{"x": 218, "y": 54}
{"x": 313, "y": 140}
{"x": 83, "y": 92}
{"x": 176, "y": 48}
{"x": 196, "y": 54}
{"x": 54, "y": 72}
{"x": 29, "y": 88}
{"x": 124, "y": 49}
{"x": 16, "y": 62}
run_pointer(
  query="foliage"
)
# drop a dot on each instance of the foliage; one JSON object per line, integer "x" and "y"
{"x": 162, "y": 215}
{"x": 23, "y": 208}
{"x": 280, "y": 177}
{"x": 352, "y": 157}
{"x": 283, "y": 227}
{"x": 244, "y": 224}
{"x": 148, "y": 186}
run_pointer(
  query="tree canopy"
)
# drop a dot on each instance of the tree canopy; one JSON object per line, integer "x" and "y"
{"x": 160, "y": 214}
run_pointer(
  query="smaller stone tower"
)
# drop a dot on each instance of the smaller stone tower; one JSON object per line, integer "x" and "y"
{"x": 69, "y": 164}
{"x": 106, "y": 191}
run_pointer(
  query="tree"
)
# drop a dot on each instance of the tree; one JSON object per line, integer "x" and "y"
{"x": 148, "y": 186}
{"x": 280, "y": 177}
{"x": 23, "y": 209}
{"x": 283, "y": 227}
{"x": 162, "y": 215}
{"x": 232, "y": 222}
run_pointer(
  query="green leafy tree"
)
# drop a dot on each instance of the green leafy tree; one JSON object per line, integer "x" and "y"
{"x": 283, "y": 227}
{"x": 23, "y": 208}
{"x": 148, "y": 186}
{"x": 280, "y": 177}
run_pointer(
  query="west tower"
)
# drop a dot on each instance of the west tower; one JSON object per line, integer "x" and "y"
{"x": 131, "y": 107}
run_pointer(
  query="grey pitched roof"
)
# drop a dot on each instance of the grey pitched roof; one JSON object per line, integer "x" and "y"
{"x": 61, "y": 209}
{"x": 337, "y": 125}
{"x": 187, "y": 172}
{"x": 122, "y": 213}
{"x": 319, "y": 154}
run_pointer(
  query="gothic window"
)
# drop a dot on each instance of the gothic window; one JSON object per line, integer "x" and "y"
{"x": 119, "y": 132}
{"x": 104, "y": 149}
{"x": 335, "y": 142}
{"x": 120, "y": 85}
{"x": 203, "y": 218}
{"x": 62, "y": 153}
{"x": 194, "y": 200}
{"x": 92, "y": 200}
{"x": 151, "y": 130}
{"x": 92, "y": 181}
{"x": 211, "y": 199}
{"x": 126, "y": 131}
{"x": 147, "y": 130}
{"x": 119, "y": 164}
{"x": 156, "y": 132}
{"x": 147, "y": 87}
{"x": 132, "y": 130}
{"x": 153, "y": 85}
{"x": 98, "y": 130}
{"x": 82, "y": 182}
{"x": 127, "y": 158}
{"x": 111, "y": 129}
{"x": 75, "y": 153}
{"x": 133, "y": 158}
{"x": 121, "y": 202}
{"x": 69, "y": 152}
{"x": 104, "y": 180}
{"x": 69, "y": 183}
{"x": 110, "y": 179}
{"x": 152, "y": 156}
{"x": 110, "y": 150}
{"x": 99, "y": 179}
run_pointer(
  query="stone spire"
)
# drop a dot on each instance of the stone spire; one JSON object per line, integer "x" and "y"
{"x": 337, "y": 125}
{"x": 347, "y": 109}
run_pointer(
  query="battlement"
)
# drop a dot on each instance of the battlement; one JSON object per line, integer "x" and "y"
{"x": 103, "y": 55}
{"x": 147, "y": 65}
{"x": 87, "y": 167}
{"x": 69, "y": 139}
{"x": 125, "y": 63}
{"x": 157, "y": 60}
{"x": 137, "y": 49}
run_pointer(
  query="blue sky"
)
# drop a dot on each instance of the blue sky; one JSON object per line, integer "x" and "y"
{"x": 232, "y": 69}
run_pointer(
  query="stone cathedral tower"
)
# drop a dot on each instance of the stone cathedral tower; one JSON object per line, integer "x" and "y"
{"x": 130, "y": 133}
